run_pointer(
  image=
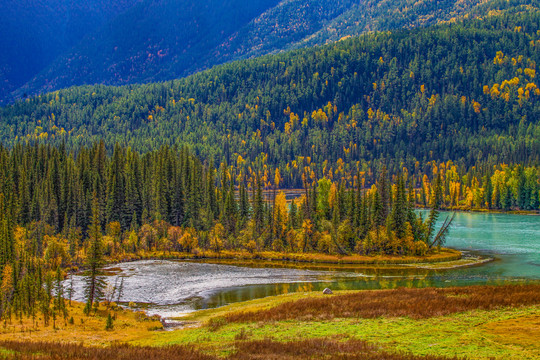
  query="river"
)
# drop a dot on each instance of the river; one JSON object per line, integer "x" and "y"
{"x": 173, "y": 288}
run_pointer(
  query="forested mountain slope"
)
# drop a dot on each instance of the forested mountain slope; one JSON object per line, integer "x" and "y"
{"x": 152, "y": 41}
{"x": 168, "y": 39}
{"x": 465, "y": 91}
{"x": 377, "y": 15}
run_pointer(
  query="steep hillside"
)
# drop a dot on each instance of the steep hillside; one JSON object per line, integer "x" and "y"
{"x": 153, "y": 41}
{"x": 279, "y": 28}
{"x": 168, "y": 39}
{"x": 377, "y": 15}
{"x": 465, "y": 91}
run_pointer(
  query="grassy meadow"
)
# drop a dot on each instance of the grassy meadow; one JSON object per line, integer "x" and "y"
{"x": 479, "y": 322}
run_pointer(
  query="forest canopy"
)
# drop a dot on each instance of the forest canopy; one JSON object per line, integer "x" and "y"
{"x": 464, "y": 92}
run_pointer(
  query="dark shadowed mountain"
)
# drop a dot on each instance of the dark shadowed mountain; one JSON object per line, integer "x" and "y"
{"x": 153, "y": 41}
{"x": 128, "y": 42}
{"x": 34, "y": 33}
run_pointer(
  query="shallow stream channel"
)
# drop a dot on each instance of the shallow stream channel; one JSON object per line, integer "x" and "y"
{"x": 174, "y": 288}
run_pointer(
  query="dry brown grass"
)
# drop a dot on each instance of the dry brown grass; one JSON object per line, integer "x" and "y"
{"x": 403, "y": 302}
{"x": 48, "y": 350}
{"x": 328, "y": 349}
{"x": 324, "y": 348}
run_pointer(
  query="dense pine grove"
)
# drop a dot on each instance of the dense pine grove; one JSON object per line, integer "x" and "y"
{"x": 48, "y": 190}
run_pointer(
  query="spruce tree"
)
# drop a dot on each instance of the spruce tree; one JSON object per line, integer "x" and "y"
{"x": 94, "y": 260}
{"x": 258, "y": 211}
{"x": 59, "y": 302}
{"x": 378, "y": 209}
{"x": 244, "y": 205}
{"x": 109, "y": 325}
{"x": 399, "y": 210}
{"x": 384, "y": 193}
{"x": 230, "y": 212}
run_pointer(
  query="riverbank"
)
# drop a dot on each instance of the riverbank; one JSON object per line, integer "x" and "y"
{"x": 240, "y": 257}
{"x": 483, "y": 210}
{"x": 483, "y": 322}
{"x": 444, "y": 264}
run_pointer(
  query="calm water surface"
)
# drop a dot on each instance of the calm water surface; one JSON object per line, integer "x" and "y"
{"x": 172, "y": 288}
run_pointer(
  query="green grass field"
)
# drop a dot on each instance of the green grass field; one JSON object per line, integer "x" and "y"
{"x": 506, "y": 333}
{"x": 478, "y": 324}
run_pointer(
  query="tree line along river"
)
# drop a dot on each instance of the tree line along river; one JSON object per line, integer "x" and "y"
{"x": 172, "y": 288}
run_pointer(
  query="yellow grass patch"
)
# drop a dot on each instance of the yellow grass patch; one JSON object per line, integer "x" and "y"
{"x": 522, "y": 330}
{"x": 444, "y": 255}
{"x": 89, "y": 330}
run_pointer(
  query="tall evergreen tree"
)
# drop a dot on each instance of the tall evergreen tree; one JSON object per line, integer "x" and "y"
{"x": 399, "y": 210}
{"x": 94, "y": 284}
{"x": 258, "y": 211}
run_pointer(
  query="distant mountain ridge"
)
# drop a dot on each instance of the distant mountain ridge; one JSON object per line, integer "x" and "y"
{"x": 144, "y": 41}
